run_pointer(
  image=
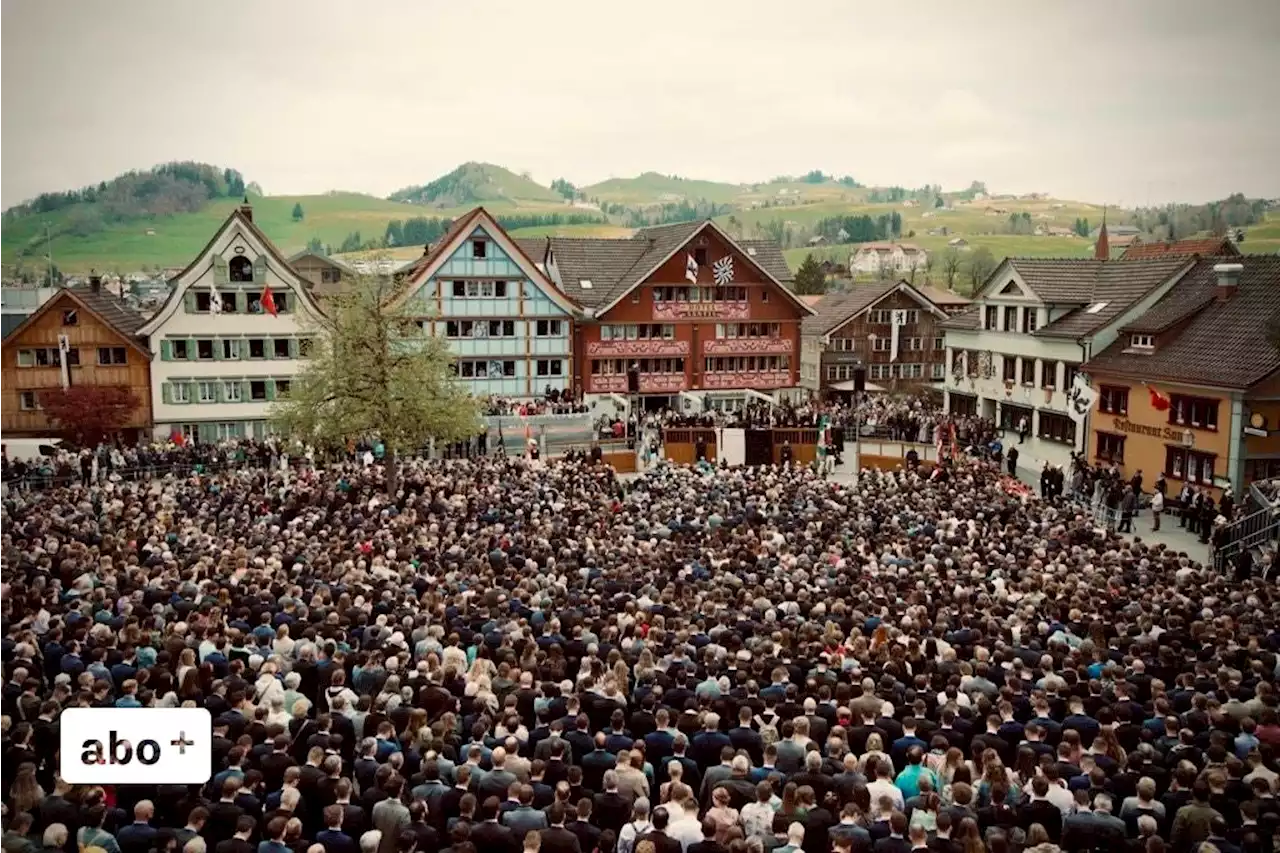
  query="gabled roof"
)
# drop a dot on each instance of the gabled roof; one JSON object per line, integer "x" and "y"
{"x": 109, "y": 309}
{"x": 616, "y": 266}
{"x": 1224, "y": 344}
{"x": 1204, "y": 248}
{"x": 320, "y": 256}
{"x": 243, "y": 216}
{"x": 965, "y": 321}
{"x": 836, "y": 309}
{"x": 426, "y": 266}
{"x": 1103, "y": 290}
{"x": 943, "y": 298}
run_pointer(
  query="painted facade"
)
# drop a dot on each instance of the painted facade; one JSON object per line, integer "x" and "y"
{"x": 508, "y": 325}
{"x": 216, "y": 375}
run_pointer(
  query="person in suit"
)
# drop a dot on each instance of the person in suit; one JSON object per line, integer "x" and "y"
{"x": 332, "y": 838}
{"x": 390, "y": 816}
{"x": 596, "y": 763}
{"x": 525, "y": 818}
{"x": 657, "y": 834}
{"x": 1089, "y": 830}
{"x": 555, "y": 838}
{"x": 584, "y": 828}
{"x": 611, "y": 809}
{"x": 490, "y": 835}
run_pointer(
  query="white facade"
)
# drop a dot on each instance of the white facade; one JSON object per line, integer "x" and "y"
{"x": 216, "y": 375}
{"x": 1002, "y": 371}
{"x": 899, "y": 257}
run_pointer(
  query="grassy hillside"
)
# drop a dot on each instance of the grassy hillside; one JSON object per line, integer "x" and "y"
{"x": 653, "y": 188}
{"x": 478, "y": 183}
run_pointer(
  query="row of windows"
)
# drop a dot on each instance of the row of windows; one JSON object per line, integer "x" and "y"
{"x": 1023, "y": 319}
{"x": 196, "y": 433}
{"x": 497, "y": 328}
{"x": 1180, "y": 463}
{"x": 1024, "y": 369}
{"x": 885, "y": 344}
{"x": 840, "y": 372}
{"x": 637, "y": 332}
{"x": 235, "y": 301}
{"x": 728, "y": 293}
{"x": 480, "y": 289}
{"x": 224, "y": 390}
{"x": 748, "y": 330}
{"x": 52, "y": 357}
{"x": 746, "y": 363}
{"x": 499, "y": 368}
{"x": 231, "y": 349}
{"x": 884, "y": 316}
{"x": 618, "y": 366}
{"x": 1197, "y": 412}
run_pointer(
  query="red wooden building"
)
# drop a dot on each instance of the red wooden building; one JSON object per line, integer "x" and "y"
{"x": 696, "y": 310}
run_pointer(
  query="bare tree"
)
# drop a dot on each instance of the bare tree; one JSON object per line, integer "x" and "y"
{"x": 951, "y": 266}
{"x": 929, "y": 261}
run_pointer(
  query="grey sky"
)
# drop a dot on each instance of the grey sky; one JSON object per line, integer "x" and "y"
{"x": 1124, "y": 102}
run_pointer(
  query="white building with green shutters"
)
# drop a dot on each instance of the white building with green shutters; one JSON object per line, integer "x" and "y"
{"x": 216, "y": 374}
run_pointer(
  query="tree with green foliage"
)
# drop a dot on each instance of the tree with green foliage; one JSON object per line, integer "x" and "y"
{"x": 848, "y": 181}
{"x": 981, "y": 264}
{"x": 394, "y": 235}
{"x": 938, "y": 201}
{"x": 316, "y": 246}
{"x": 373, "y": 373}
{"x": 565, "y": 188}
{"x": 297, "y": 211}
{"x": 814, "y": 177}
{"x": 809, "y": 278}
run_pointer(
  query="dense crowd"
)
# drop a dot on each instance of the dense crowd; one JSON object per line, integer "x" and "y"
{"x": 514, "y": 655}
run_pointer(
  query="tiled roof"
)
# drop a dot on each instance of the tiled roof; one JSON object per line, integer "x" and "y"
{"x": 1204, "y": 248}
{"x": 244, "y": 213}
{"x": 113, "y": 310}
{"x": 602, "y": 261}
{"x": 836, "y": 308}
{"x": 534, "y": 247}
{"x": 1225, "y": 344}
{"x": 1103, "y": 289}
{"x": 769, "y": 255}
{"x": 965, "y": 321}
{"x": 943, "y": 298}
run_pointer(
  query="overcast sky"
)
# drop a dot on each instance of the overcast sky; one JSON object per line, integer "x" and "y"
{"x": 1124, "y": 102}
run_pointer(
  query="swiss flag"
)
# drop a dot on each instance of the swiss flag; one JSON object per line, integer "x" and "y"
{"x": 1159, "y": 402}
{"x": 269, "y": 302}
{"x": 178, "y": 438}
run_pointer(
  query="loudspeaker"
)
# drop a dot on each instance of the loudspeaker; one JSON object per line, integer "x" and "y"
{"x": 633, "y": 379}
{"x": 859, "y": 380}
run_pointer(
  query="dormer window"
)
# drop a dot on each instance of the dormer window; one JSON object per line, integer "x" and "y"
{"x": 1142, "y": 342}
{"x": 240, "y": 269}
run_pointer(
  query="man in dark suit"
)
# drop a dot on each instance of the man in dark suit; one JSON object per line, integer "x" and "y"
{"x": 744, "y": 737}
{"x": 662, "y": 843}
{"x": 580, "y": 738}
{"x": 555, "y": 838}
{"x": 596, "y": 763}
{"x": 708, "y": 844}
{"x": 240, "y": 843}
{"x": 1092, "y": 830}
{"x": 332, "y": 837}
{"x": 1040, "y": 810}
{"x": 491, "y": 836}
{"x": 588, "y": 834}
{"x": 611, "y": 808}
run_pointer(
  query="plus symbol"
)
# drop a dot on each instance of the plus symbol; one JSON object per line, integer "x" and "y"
{"x": 182, "y": 743}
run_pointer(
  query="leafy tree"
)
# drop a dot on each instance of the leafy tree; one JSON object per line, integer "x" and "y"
{"x": 848, "y": 181}
{"x": 938, "y": 201}
{"x": 565, "y": 188}
{"x": 89, "y": 414}
{"x": 930, "y": 260}
{"x": 314, "y": 245}
{"x": 981, "y": 265}
{"x": 951, "y": 266}
{"x": 297, "y": 211}
{"x": 810, "y": 279}
{"x": 814, "y": 177}
{"x": 351, "y": 243}
{"x": 374, "y": 373}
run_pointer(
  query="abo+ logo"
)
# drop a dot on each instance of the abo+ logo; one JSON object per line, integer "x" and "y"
{"x": 115, "y": 746}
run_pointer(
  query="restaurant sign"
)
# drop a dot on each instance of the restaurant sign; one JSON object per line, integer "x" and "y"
{"x": 1181, "y": 436}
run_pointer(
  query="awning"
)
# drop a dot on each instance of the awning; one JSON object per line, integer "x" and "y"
{"x": 847, "y": 385}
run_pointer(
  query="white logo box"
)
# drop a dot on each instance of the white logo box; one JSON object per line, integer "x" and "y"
{"x": 136, "y": 746}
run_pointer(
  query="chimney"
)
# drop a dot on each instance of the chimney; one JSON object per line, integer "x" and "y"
{"x": 246, "y": 209}
{"x": 1228, "y": 280}
{"x": 95, "y": 281}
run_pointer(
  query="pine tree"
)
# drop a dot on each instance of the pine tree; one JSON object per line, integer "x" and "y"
{"x": 297, "y": 211}
{"x": 810, "y": 279}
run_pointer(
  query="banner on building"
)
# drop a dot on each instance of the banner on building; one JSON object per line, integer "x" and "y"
{"x": 899, "y": 319}
{"x": 1080, "y": 399}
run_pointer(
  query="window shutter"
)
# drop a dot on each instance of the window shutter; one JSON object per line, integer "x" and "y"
{"x": 217, "y": 392}
{"x": 193, "y": 392}
{"x": 293, "y": 347}
{"x": 245, "y": 396}
{"x": 166, "y": 353}
{"x": 271, "y": 389}
{"x": 217, "y": 349}
{"x": 166, "y": 393}
{"x": 269, "y": 348}
{"x": 189, "y": 301}
{"x": 220, "y": 275}
{"x": 260, "y": 270}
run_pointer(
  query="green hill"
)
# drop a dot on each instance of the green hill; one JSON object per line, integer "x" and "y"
{"x": 653, "y": 188}
{"x": 478, "y": 183}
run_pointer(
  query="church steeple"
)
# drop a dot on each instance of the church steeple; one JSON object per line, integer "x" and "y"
{"x": 1102, "y": 248}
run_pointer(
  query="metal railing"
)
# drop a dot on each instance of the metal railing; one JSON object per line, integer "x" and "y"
{"x": 1257, "y": 529}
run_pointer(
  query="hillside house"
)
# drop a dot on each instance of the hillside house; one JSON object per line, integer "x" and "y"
{"x": 871, "y": 258}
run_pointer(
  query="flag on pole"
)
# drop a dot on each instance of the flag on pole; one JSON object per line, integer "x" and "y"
{"x": 938, "y": 441}
{"x": 1080, "y": 398}
{"x": 1159, "y": 401}
{"x": 269, "y": 302}
{"x": 691, "y": 268}
{"x": 215, "y": 300}
{"x": 953, "y": 440}
{"x": 899, "y": 319}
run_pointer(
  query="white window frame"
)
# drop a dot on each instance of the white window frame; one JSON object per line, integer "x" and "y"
{"x": 1142, "y": 341}
{"x": 232, "y": 392}
{"x": 35, "y": 401}
{"x": 26, "y": 358}
{"x": 212, "y": 386}
{"x": 180, "y": 392}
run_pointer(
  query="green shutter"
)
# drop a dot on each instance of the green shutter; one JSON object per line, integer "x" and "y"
{"x": 260, "y": 270}
{"x": 293, "y": 347}
{"x": 217, "y": 349}
{"x": 220, "y": 275}
{"x": 166, "y": 393}
{"x": 189, "y": 302}
{"x": 271, "y": 389}
{"x": 166, "y": 351}
{"x": 217, "y": 392}
{"x": 245, "y": 396}
{"x": 193, "y": 392}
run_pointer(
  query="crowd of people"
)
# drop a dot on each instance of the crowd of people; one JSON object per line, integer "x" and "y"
{"x": 521, "y": 655}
